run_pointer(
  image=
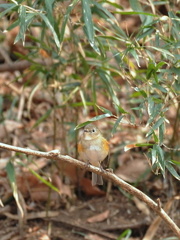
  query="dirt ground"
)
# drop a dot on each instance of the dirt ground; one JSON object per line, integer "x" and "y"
{"x": 95, "y": 218}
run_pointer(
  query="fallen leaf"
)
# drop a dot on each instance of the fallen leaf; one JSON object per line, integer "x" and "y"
{"x": 90, "y": 190}
{"x": 141, "y": 206}
{"x": 63, "y": 188}
{"x": 91, "y": 236}
{"x": 9, "y": 126}
{"x": 132, "y": 167}
{"x": 99, "y": 217}
{"x": 43, "y": 193}
{"x": 39, "y": 164}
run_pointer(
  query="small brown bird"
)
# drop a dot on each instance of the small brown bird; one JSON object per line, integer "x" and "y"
{"x": 93, "y": 148}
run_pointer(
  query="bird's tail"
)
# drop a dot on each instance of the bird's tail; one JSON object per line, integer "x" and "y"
{"x": 96, "y": 179}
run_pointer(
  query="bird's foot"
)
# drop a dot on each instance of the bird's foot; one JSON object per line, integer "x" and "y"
{"x": 110, "y": 170}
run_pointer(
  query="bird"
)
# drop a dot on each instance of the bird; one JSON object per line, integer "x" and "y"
{"x": 93, "y": 148}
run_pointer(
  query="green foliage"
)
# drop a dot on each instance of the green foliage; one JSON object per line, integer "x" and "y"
{"x": 12, "y": 179}
{"x": 100, "y": 51}
{"x": 125, "y": 235}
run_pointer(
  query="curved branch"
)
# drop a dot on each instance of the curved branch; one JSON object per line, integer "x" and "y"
{"x": 55, "y": 155}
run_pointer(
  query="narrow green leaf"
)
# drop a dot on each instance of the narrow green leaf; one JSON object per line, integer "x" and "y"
{"x": 115, "y": 5}
{"x": 150, "y": 106}
{"x": 9, "y": 8}
{"x": 108, "y": 83}
{"x": 7, "y": 5}
{"x": 69, "y": 86}
{"x": 160, "y": 64}
{"x": 116, "y": 124}
{"x": 80, "y": 104}
{"x": 136, "y": 6}
{"x": 172, "y": 170}
{"x": 65, "y": 19}
{"x": 150, "y": 70}
{"x": 22, "y": 23}
{"x": 161, "y": 160}
{"x": 121, "y": 110}
{"x": 156, "y": 139}
{"x": 87, "y": 17}
{"x": 13, "y": 25}
{"x": 158, "y": 123}
{"x": 161, "y": 133}
{"x": 154, "y": 110}
{"x": 43, "y": 180}
{"x": 99, "y": 117}
{"x": 153, "y": 156}
{"x": 11, "y": 172}
{"x": 143, "y": 93}
{"x": 49, "y": 10}
{"x": 104, "y": 110}
{"x": 136, "y": 13}
{"x": 145, "y": 33}
{"x": 139, "y": 93}
{"x": 12, "y": 178}
{"x": 56, "y": 39}
{"x": 112, "y": 38}
{"x": 29, "y": 18}
{"x": 175, "y": 20}
{"x": 83, "y": 99}
{"x": 125, "y": 235}
{"x": 81, "y": 125}
{"x": 89, "y": 26}
{"x": 135, "y": 55}
{"x": 101, "y": 46}
{"x": 155, "y": 126}
{"x": 41, "y": 119}
{"x": 108, "y": 14}
{"x": 144, "y": 144}
{"x": 159, "y": 87}
{"x": 164, "y": 52}
{"x": 176, "y": 162}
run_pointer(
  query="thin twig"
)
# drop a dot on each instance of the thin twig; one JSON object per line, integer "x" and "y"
{"x": 55, "y": 155}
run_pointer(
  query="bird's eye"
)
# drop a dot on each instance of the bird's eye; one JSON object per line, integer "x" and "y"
{"x": 93, "y": 130}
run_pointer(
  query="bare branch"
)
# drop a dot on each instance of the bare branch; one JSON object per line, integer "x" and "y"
{"x": 22, "y": 65}
{"x": 55, "y": 155}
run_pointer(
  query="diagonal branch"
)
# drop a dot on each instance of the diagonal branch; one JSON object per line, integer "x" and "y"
{"x": 55, "y": 155}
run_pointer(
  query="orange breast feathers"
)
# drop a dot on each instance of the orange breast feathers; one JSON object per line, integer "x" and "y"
{"x": 80, "y": 148}
{"x": 105, "y": 145}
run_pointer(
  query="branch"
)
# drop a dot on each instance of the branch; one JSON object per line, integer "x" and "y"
{"x": 22, "y": 65}
{"x": 55, "y": 155}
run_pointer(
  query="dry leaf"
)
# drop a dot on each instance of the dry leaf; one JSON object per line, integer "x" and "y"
{"x": 9, "y": 126}
{"x": 63, "y": 188}
{"x": 90, "y": 190}
{"x": 43, "y": 194}
{"x": 141, "y": 206}
{"x": 91, "y": 236}
{"x": 99, "y": 217}
{"x": 128, "y": 147}
{"x": 39, "y": 164}
{"x": 132, "y": 166}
